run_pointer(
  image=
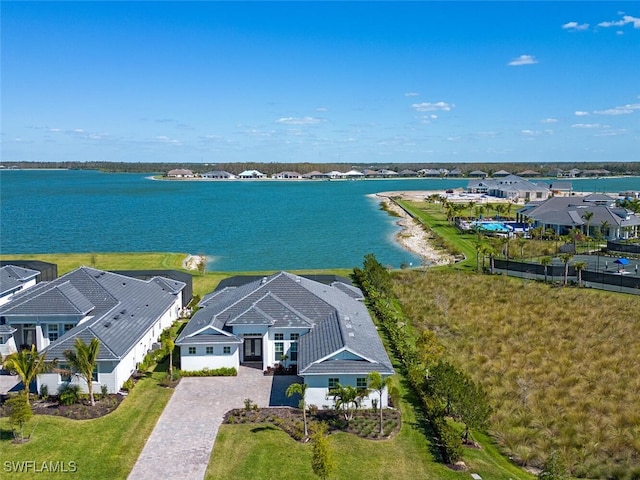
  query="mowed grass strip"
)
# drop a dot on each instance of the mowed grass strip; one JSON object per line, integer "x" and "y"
{"x": 559, "y": 364}
{"x": 103, "y": 448}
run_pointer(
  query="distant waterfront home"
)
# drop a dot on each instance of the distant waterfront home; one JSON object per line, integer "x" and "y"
{"x": 320, "y": 327}
{"x": 408, "y": 173}
{"x": 287, "y": 176}
{"x": 354, "y": 174}
{"x": 429, "y": 172}
{"x": 251, "y": 174}
{"x": 125, "y": 314}
{"x": 561, "y": 214}
{"x": 14, "y": 279}
{"x": 478, "y": 174}
{"x": 219, "y": 175}
{"x": 511, "y": 187}
{"x": 315, "y": 175}
{"x": 334, "y": 174}
{"x": 500, "y": 173}
{"x": 180, "y": 173}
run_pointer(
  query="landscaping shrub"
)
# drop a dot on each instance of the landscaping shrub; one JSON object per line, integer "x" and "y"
{"x": 128, "y": 385}
{"x": 69, "y": 394}
{"x": 205, "y": 372}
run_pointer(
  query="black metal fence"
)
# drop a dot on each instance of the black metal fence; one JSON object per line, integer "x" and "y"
{"x": 623, "y": 247}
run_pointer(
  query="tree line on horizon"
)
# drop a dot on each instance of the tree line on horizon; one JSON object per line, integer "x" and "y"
{"x": 544, "y": 168}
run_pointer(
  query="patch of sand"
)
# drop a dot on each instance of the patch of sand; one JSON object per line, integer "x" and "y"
{"x": 412, "y": 236}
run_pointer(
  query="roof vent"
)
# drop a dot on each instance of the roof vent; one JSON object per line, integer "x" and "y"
{"x": 351, "y": 334}
{"x": 264, "y": 280}
{"x": 116, "y": 317}
{"x": 107, "y": 324}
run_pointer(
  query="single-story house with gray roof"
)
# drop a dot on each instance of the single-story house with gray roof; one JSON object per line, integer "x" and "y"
{"x": 13, "y": 279}
{"x": 125, "y": 314}
{"x": 561, "y": 214}
{"x": 322, "y": 329}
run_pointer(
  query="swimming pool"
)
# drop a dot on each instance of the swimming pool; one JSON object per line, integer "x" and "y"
{"x": 495, "y": 227}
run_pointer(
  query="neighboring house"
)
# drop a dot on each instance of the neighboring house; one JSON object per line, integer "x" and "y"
{"x": 429, "y": 172}
{"x": 561, "y": 214}
{"x": 315, "y": 175}
{"x": 287, "y": 176}
{"x": 322, "y": 328}
{"x": 511, "y": 187}
{"x": 529, "y": 173}
{"x": 334, "y": 174}
{"x": 386, "y": 173}
{"x": 251, "y": 174}
{"x": 354, "y": 174}
{"x": 408, "y": 173}
{"x": 125, "y": 314}
{"x": 478, "y": 174}
{"x": 180, "y": 173}
{"x": 561, "y": 188}
{"x": 455, "y": 173}
{"x": 219, "y": 175}
{"x": 14, "y": 279}
{"x": 501, "y": 173}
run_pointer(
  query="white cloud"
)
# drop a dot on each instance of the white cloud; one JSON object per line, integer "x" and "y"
{"x": 549, "y": 120}
{"x": 170, "y": 141}
{"x": 581, "y": 114}
{"x": 589, "y": 125}
{"x": 431, "y": 107}
{"x": 300, "y": 120}
{"x": 322, "y": 109}
{"x": 626, "y": 20}
{"x": 623, "y": 110}
{"x": 411, "y": 94}
{"x": 575, "y": 26}
{"x": 523, "y": 60}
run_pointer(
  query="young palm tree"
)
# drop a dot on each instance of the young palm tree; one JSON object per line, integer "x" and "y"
{"x": 347, "y": 399}
{"x": 83, "y": 362}
{"x": 604, "y": 228}
{"x": 566, "y": 258}
{"x": 545, "y": 262}
{"x": 168, "y": 343}
{"x": 28, "y": 364}
{"x": 377, "y": 383}
{"x": 580, "y": 266}
{"x": 587, "y": 217}
{"x": 300, "y": 389}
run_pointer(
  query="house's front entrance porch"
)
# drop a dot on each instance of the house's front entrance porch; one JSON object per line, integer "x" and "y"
{"x": 252, "y": 350}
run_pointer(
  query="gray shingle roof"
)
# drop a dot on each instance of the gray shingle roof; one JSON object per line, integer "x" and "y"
{"x": 13, "y": 277}
{"x": 122, "y": 309}
{"x": 338, "y": 321}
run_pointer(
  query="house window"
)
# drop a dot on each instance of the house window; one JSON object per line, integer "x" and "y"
{"x": 293, "y": 352}
{"x": 361, "y": 382}
{"x": 65, "y": 373}
{"x": 226, "y": 350}
{"x": 294, "y": 337}
{"x": 208, "y": 350}
{"x": 52, "y": 332}
{"x": 279, "y": 350}
{"x": 68, "y": 326}
{"x": 94, "y": 375}
{"x": 278, "y": 336}
{"x": 192, "y": 350}
{"x": 333, "y": 383}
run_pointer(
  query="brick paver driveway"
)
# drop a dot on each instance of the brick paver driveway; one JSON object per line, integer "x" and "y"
{"x": 182, "y": 440}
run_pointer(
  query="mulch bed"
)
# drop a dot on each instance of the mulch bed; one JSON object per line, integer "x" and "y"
{"x": 365, "y": 423}
{"x": 75, "y": 411}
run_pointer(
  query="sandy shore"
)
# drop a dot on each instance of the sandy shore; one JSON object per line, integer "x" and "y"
{"x": 193, "y": 262}
{"x": 412, "y": 236}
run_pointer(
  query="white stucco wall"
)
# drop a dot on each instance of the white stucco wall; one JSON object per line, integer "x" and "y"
{"x": 200, "y": 360}
{"x": 318, "y": 390}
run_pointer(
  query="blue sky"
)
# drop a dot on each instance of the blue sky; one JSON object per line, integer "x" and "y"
{"x": 363, "y": 82}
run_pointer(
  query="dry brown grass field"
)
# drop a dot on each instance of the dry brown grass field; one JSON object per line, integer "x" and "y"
{"x": 561, "y": 365}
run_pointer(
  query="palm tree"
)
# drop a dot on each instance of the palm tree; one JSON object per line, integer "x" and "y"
{"x": 378, "y": 383}
{"x": 83, "y": 362}
{"x": 545, "y": 262}
{"x": 566, "y": 258}
{"x": 300, "y": 389}
{"x": 347, "y": 399}
{"x": 579, "y": 266}
{"x": 28, "y": 364}
{"x": 587, "y": 217}
{"x": 168, "y": 343}
{"x": 604, "y": 228}
{"x": 521, "y": 242}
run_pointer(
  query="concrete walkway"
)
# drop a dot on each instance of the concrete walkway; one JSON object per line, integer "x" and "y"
{"x": 182, "y": 440}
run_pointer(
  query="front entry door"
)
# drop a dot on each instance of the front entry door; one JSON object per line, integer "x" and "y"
{"x": 253, "y": 349}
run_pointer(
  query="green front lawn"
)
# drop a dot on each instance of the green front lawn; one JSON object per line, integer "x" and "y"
{"x": 104, "y": 448}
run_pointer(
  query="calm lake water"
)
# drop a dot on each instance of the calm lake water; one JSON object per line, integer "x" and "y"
{"x": 255, "y": 225}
